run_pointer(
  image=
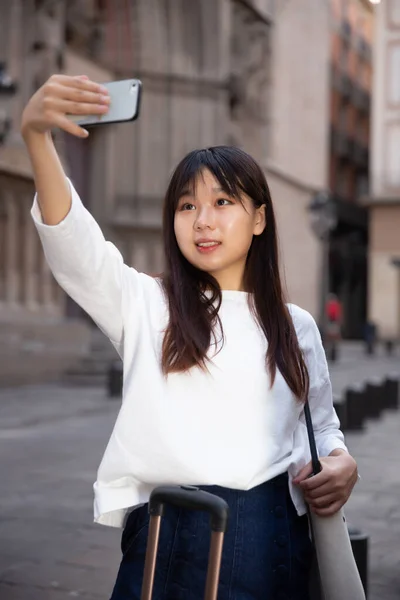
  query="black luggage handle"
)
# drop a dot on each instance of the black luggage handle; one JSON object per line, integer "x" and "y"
{"x": 191, "y": 498}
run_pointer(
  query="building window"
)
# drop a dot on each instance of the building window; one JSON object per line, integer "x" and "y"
{"x": 363, "y": 75}
{"x": 344, "y": 117}
{"x": 342, "y": 181}
{"x": 344, "y": 57}
{"x": 394, "y": 74}
{"x": 5, "y": 28}
{"x": 362, "y": 186}
{"x": 361, "y": 132}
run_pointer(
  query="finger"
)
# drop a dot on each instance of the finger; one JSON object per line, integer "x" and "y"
{"x": 303, "y": 474}
{"x": 86, "y": 84}
{"x": 79, "y": 83}
{"x": 316, "y": 481}
{"x": 75, "y": 108}
{"x": 323, "y": 501}
{"x": 322, "y": 490}
{"x": 328, "y": 512}
{"x": 78, "y": 95}
{"x": 65, "y": 124}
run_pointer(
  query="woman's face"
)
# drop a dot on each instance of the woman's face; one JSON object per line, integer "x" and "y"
{"x": 214, "y": 231}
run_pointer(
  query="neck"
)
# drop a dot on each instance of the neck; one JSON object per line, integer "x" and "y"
{"x": 231, "y": 279}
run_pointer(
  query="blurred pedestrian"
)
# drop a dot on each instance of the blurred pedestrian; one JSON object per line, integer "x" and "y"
{"x": 333, "y": 332}
{"x": 216, "y": 368}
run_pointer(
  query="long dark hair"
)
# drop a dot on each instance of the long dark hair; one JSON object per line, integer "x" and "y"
{"x": 194, "y": 313}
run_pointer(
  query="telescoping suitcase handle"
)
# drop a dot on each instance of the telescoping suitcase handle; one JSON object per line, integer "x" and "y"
{"x": 191, "y": 498}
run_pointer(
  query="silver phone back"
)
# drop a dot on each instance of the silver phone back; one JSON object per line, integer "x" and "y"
{"x": 124, "y": 104}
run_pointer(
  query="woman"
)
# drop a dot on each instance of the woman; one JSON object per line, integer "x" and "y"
{"x": 216, "y": 368}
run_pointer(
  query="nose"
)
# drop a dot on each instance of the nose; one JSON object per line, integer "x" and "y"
{"x": 205, "y": 219}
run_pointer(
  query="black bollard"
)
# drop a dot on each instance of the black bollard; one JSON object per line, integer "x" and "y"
{"x": 114, "y": 379}
{"x": 369, "y": 347}
{"x": 370, "y": 336}
{"x": 392, "y": 392}
{"x": 333, "y": 351}
{"x": 374, "y": 391}
{"x": 340, "y": 406}
{"x": 356, "y": 408}
{"x": 359, "y": 544}
{"x": 389, "y": 345}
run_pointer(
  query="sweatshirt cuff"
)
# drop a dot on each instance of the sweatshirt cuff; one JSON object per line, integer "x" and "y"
{"x": 326, "y": 446}
{"x": 64, "y": 227}
{"x": 338, "y": 445}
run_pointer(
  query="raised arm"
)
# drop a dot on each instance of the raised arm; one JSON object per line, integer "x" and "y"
{"x": 85, "y": 265}
{"x": 59, "y": 96}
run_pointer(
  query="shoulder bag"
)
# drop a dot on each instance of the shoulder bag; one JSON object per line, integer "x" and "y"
{"x": 334, "y": 575}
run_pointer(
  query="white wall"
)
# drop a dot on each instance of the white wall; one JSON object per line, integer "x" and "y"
{"x": 385, "y": 146}
{"x": 299, "y": 251}
{"x": 297, "y": 162}
{"x": 300, "y": 90}
{"x": 384, "y": 278}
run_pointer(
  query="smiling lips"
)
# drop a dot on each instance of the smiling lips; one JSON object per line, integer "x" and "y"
{"x": 206, "y": 246}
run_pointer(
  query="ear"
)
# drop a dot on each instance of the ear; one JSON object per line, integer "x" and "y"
{"x": 260, "y": 220}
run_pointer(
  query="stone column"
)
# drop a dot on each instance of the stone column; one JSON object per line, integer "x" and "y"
{"x": 12, "y": 278}
{"x": 3, "y": 228}
{"x": 249, "y": 80}
{"x": 46, "y": 283}
{"x": 158, "y": 256}
{"x": 139, "y": 255}
{"x": 30, "y": 263}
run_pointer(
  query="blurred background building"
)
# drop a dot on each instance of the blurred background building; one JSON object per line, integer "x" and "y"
{"x": 384, "y": 201}
{"x": 287, "y": 80}
{"x": 319, "y": 140}
{"x": 351, "y": 82}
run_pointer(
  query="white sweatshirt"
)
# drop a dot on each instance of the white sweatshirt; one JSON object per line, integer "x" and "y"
{"x": 224, "y": 428}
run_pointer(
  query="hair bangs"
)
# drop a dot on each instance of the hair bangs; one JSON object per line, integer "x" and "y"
{"x": 237, "y": 173}
{"x": 225, "y": 170}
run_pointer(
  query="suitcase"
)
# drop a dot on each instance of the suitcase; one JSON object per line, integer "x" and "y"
{"x": 191, "y": 498}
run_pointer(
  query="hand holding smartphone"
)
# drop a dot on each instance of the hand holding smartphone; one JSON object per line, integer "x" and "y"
{"x": 68, "y": 103}
{"x": 125, "y": 96}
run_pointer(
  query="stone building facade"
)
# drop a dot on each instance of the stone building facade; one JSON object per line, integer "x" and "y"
{"x": 255, "y": 73}
{"x": 204, "y": 67}
{"x": 384, "y": 202}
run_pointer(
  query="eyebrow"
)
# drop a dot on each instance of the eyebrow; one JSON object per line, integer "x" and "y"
{"x": 187, "y": 192}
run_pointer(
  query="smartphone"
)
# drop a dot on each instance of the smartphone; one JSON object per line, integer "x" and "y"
{"x": 125, "y": 98}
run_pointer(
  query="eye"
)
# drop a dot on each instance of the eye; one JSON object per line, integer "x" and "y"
{"x": 187, "y": 206}
{"x": 223, "y": 202}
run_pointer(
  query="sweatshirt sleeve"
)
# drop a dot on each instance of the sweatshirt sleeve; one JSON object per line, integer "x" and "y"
{"x": 328, "y": 436}
{"x": 85, "y": 265}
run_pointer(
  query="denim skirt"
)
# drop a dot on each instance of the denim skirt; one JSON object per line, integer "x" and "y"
{"x": 267, "y": 551}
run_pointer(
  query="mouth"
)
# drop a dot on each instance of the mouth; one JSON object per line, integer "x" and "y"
{"x": 207, "y": 246}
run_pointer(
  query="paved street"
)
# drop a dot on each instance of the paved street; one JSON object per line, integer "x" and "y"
{"x": 354, "y": 366}
{"x": 51, "y": 439}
